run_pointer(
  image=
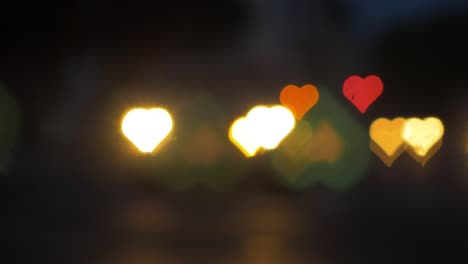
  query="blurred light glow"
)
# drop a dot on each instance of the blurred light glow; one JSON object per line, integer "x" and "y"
{"x": 293, "y": 145}
{"x": 386, "y": 139}
{"x": 326, "y": 145}
{"x": 423, "y": 137}
{"x": 146, "y": 128}
{"x": 262, "y": 127}
{"x": 466, "y": 144}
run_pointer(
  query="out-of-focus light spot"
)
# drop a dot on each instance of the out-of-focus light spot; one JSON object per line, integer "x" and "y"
{"x": 299, "y": 100}
{"x": 386, "y": 139}
{"x": 304, "y": 146}
{"x": 423, "y": 137}
{"x": 362, "y": 92}
{"x": 325, "y": 145}
{"x": 244, "y": 136}
{"x": 146, "y": 128}
{"x": 291, "y": 157}
{"x": 262, "y": 127}
{"x": 294, "y": 143}
{"x": 277, "y": 122}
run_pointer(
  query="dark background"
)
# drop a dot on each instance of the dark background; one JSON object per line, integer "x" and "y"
{"x": 75, "y": 67}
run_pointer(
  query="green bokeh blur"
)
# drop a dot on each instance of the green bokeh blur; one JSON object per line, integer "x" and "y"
{"x": 198, "y": 151}
{"x": 9, "y": 125}
{"x": 342, "y": 174}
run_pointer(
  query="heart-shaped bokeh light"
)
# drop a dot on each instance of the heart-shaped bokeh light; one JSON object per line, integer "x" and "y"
{"x": 362, "y": 92}
{"x": 244, "y": 136}
{"x": 299, "y": 100}
{"x": 423, "y": 137}
{"x": 146, "y": 128}
{"x": 262, "y": 127}
{"x": 386, "y": 139}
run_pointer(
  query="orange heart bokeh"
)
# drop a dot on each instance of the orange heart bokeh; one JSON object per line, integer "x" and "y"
{"x": 299, "y": 100}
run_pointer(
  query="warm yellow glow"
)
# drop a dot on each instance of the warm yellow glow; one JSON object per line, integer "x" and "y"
{"x": 326, "y": 145}
{"x": 466, "y": 145}
{"x": 262, "y": 127}
{"x": 146, "y": 128}
{"x": 387, "y": 134}
{"x": 422, "y": 135}
{"x": 293, "y": 145}
{"x": 244, "y": 137}
{"x": 274, "y": 124}
{"x": 387, "y": 139}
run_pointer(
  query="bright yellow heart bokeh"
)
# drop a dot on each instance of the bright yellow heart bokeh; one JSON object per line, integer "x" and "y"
{"x": 146, "y": 128}
{"x": 243, "y": 136}
{"x": 262, "y": 127}
{"x": 423, "y": 137}
{"x": 387, "y": 138}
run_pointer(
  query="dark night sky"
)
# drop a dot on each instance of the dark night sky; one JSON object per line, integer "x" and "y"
{"x": 75, "y": 68}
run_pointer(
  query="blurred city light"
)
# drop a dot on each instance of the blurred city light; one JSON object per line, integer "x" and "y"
{"x": 146, "y": 128}
{"x": 262, "y": 127}
{"x": 423, "y": 137}
{"x": 325, "y": 135}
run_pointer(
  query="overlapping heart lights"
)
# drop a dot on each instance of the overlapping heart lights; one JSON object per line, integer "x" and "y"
{"x": 147, "y": 128}
{"x": 262, "y": 127}
{"x": 422, "y": 138}
{"x": 362, "y": 92}
{"x": 322, "y": 149}
{"x": 323, "y": 146}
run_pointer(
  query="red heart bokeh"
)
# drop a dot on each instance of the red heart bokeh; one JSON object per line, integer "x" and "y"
{"x": 362, "y": 92}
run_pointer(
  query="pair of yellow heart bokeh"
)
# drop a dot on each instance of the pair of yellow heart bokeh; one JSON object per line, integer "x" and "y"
{"x": 263, "y": 127}
{"x": 421, "y": 138}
